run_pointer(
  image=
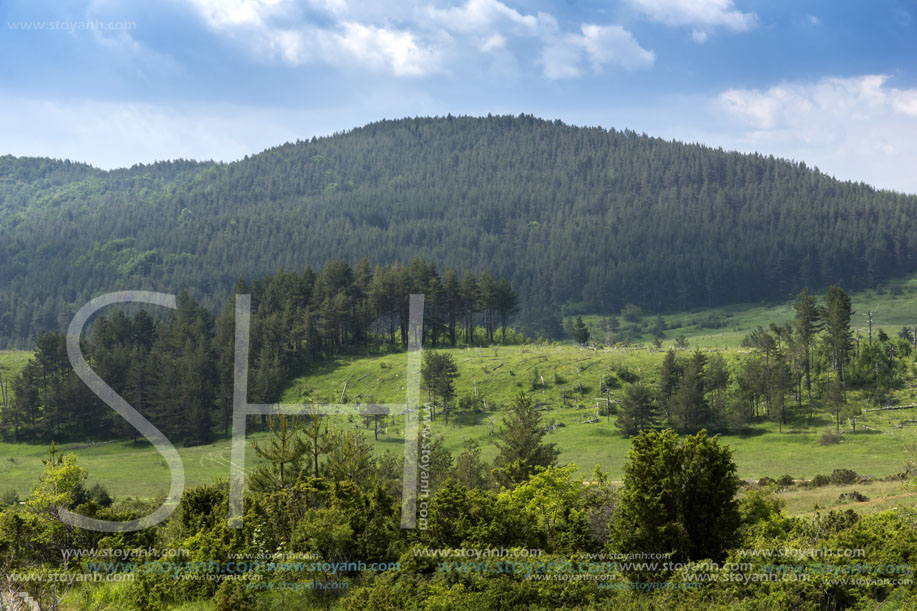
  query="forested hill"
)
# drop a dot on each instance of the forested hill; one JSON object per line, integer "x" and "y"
{"x": 588, "y": 217}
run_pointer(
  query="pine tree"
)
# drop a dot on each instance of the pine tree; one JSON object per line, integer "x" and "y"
{"x": 808, "y": 324}
{"x": 318, "y": 439}
{"x": 438, "y": 372}
{"x": 520, "y": 445}
{"x": 678, "y": 497}
{"x": 470, "y": 303}
{"x": 452, "y": 293}
{"x": 506, "y": 303}
{"x": 284, "y": 451}
{"x": 350, "y": 458}
{"x": 580, "y": 331}
{"x": 837, "y": 327}
{"x": 487, "y": 295}
{"x": 638, "y": 410}
{"x": 669, "y": 376}
{"x": 716, "y": 376}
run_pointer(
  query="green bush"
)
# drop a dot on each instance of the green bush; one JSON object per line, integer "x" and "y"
{"x": 844, "y": 476}
{"x": 9, "y": 498}
{"x": 820, "y": 480}
{"x": 678, "y": 496}
{"x": 470, "y": 403}
{"x": 609, "y": 382}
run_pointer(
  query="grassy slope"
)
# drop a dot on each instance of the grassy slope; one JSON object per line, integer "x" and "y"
{"x": 892, "y": 307}
{"x": 502, "y": 372}
{"x": 12, "y": 362}
{"x": 880, "y": 497}
{"x": 125, "y": 468}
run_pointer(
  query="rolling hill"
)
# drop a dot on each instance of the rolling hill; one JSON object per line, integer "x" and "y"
{"x": 586, "y": 218}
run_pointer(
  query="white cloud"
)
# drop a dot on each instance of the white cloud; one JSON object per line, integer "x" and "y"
{"x": 858, "y": 127}
{"x": 612, "y": 44}
{"x": 479, "y": 15}
{"x": 396, "y": 51}
{"x": 599, "y": 45}
{"x": 561, "y": 59}
{"x": 814, "y": 20}
{"x": 493, "y": 42}
{"x": 434, "y": 40}
{"x": 334, "y": 7}
{"x": 702, "y": 15}
{"x": 489, "y": 26}
{"x": 238, "y": 13}
{"x": 274, "y": 29}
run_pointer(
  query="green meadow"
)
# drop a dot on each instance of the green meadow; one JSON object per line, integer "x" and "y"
{"x": 893, "y": 306}
{"x": 12, "y": 362}
{"x": 126, "y": 468}
{"x": 878, "y": 447}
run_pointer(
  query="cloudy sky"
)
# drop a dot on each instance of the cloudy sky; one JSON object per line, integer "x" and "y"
{"x": 832, "y": 83}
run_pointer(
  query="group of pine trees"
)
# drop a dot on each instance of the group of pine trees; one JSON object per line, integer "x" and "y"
{"x": 791, "y": 369}
{"x": 177, "y": 370}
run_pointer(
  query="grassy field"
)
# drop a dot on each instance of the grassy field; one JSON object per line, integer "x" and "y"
{"x": 893, "y": 306}
{"x": 880, "y": 496}
{"x": 118, "y": 464}
{"x": 125, "y": 468}
{"x": 12, "y": 362}
{"x": 878, "y": 448}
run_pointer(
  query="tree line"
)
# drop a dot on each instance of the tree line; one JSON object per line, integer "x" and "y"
{"x": 177, "y": 369}
{"x": 813, "y": 359}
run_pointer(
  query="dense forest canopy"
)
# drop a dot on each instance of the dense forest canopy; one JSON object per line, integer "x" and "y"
{"x": 584, "y": 217}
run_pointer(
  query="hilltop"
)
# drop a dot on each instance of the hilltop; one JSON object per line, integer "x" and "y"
{"x": 587, "y": 218}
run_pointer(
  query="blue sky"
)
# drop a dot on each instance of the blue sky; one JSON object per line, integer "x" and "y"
{"x": 115, "y": 83}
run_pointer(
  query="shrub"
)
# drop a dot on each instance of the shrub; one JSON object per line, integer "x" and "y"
{"x": 786, "y": 480}
{"x": 631, "y": 313}
{"x": 470, "y": 403}
{"x": 844, "y": 476}
{"x": 766, "y": 481}
{"x": 9, "y": 498}
{"x": 234, "y": 596}
{"x": 535, "y": 383}
{"x": 758, "y": 506}
{"x": 829, "y": 437}
{"x": 820, "y": 480}
{"x": 678, "y": 496}
{"x": 609, "y": 382}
